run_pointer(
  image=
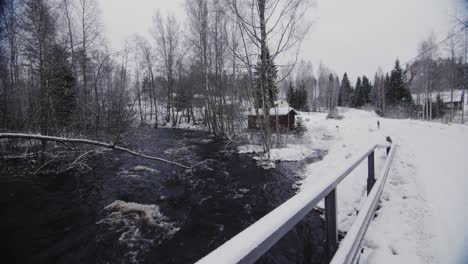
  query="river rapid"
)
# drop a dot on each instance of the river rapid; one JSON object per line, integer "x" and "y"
{"x": 131, "y": 210}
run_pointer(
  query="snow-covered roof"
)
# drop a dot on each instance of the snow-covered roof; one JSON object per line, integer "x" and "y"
{"x": 444, "y": 95}
{"x": 279, "y": 110}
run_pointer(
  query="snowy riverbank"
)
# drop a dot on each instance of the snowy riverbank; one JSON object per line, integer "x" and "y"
{"x": 424, "y": 209}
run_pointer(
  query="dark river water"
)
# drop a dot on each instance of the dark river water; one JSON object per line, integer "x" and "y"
{"x": 131, "y": 210}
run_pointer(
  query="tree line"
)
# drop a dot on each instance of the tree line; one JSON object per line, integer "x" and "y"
{"x": 59, "y": 77}
{"x": 327, "y": 92}
{"x": 415, "y": 89}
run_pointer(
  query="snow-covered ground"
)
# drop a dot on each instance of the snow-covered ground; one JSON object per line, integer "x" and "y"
{"x": 424, "y": 213}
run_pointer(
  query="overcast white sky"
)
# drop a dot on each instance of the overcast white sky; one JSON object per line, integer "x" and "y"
{"x": 356, "y": 36}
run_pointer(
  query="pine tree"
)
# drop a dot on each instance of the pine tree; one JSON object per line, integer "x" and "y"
{"x": 358, "y": 94}
{"x": 297, "y": 99}
{"x": 366, "y": 89}
{"x": 268, "y": 73}
{"x": 387, "y": 87}
{"x": 345, "y": 93}
{"x": 397, "y": 91}
{"x": 291, "y": 95}
{"x": 61, "y": 86}
{"x": 300, "y": 129}
{"x": 301, "y": 98}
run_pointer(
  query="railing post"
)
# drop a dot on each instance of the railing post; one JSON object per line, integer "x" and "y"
{"x": 331, "y": 231}
{"x": 389, "y": 140}
{"x": 370, "y": 172}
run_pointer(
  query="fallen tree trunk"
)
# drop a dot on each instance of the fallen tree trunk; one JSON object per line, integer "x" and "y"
{"x": 89, "y": 142}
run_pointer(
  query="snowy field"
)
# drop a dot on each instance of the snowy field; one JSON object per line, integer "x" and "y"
{"x": 424, "y": 214}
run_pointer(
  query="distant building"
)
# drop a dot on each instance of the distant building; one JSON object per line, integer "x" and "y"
{"x": 459, "y": 98}
{"x": 283, "y": 116}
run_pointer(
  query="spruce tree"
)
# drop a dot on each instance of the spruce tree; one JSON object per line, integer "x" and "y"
{"x": 300, "y": 129}
{"x": 301, "y": 98}
{"x": 291, "y": 95}
{"x": 340, "y": 96}
{"x": 397, "y": 91}
{"x": 358, "y": 94}
{"x": 268, "y": 73}
{"x": 61, "y": 86}
{"x": 297, "y": 98}
{"x": 387, "y": 87}
{"x": 366, "y": 89}
{"x": 345, "y": 93}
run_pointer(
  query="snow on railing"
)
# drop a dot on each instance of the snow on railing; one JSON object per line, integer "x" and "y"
{"x": 250, "y": 244}
{"x": 350, "y": 246}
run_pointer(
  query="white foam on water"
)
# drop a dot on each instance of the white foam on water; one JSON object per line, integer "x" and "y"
{"x": 148, "y": 212}
{"x": 128, "y": 174}
{"x": 129, "y": 219}
{"x": 206, "y": 141}
{"x": 180, "y": 150}
{"x": 141, "y": 168}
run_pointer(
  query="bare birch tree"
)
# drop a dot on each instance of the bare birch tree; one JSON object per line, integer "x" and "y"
{"x": 197, "y": 12}
{"x": 144, "y": 49}
{"x": 90, "y": 30}
{"x": 273, "y": 27}
{"x": 428, "y": 50}
{"x": 166, "y": 34}
{"x": 9, "y": 27}
{"x": 68, "y": 8}
{"x": 453, "y": 48}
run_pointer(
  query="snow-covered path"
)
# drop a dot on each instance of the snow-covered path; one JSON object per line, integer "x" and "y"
{"x": 439, "y": 155}
{"x": 424, "y": 214}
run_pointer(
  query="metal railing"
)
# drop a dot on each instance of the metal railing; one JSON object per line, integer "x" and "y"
{"x": 250, "y": 244}
{"x": 350, "y": 246}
